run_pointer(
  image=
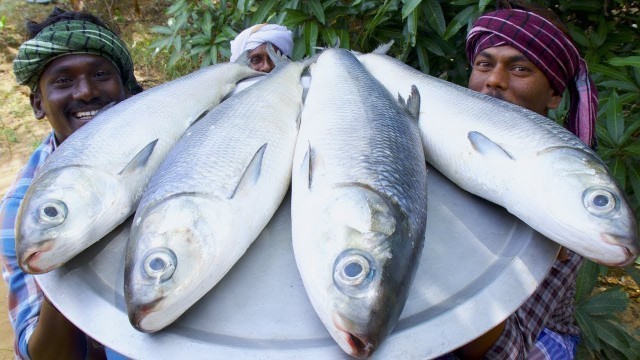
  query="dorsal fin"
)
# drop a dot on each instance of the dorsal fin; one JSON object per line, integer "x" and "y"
{"x": 383, "y": 48}
{"x": 140, "y": 160}
{"x": 252, "y": 173}
{"x": 412, "y": 105}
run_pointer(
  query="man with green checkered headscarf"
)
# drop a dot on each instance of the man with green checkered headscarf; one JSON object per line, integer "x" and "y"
{"x": 75, "y": 66}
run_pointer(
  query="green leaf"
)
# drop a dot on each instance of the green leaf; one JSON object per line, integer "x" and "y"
{"x": 423, "y": 58}
{"x": 619, "y": 170}
{"x": 634, "y": 178}
{"x": 589, "y": 330}
{"x": 206, "y": 24}
{"x": 435, "y": 18}
{"x": 609, "y": 301}
{"x": 294, "y": 18}
{"x": 633, "y": 61}
{"x": 317, "y": 10}
{"x": 609, "y": 72}
{"x": 459, "y": 21}
{"x": 408, "y": 6}
{"x": 616, "y": 336}
{"x": 412, "y": 27}
{"x": 615, "y": 120}
{"x": 329, "y": 37}
{"x": 586, "y": 280}
{"x": 162, "y": 30}
{"x": 310, "y": 37}
{"x": 262, "y": 12}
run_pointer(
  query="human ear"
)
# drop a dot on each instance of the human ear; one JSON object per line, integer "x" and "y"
{"x": 554, "y": 101}
{"x": 36, "y": 104}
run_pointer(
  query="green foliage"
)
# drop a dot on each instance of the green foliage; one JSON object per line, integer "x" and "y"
{"x": 430, "y": 35}
{"x": 603, "y": 337}
{"x": 3, "y": 22}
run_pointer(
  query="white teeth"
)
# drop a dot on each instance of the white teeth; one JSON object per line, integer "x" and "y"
{"x": 85, "y": 114}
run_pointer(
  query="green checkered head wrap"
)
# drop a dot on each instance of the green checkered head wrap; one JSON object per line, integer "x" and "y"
{"x": 72, "y": 37}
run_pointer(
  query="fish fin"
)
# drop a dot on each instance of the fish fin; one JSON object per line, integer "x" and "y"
{"x": 279, "y": 59}
{"x": 412, "y": 105}
{"x": 199, "y": 117}
{"x": 383, "y": 48}
{"x": 305, "y": 168}
{"x": 243, "y": 59}
{"x": 486, "y": 146}
{"x": 140, "y": 160}
{"x": 252, "y": 172}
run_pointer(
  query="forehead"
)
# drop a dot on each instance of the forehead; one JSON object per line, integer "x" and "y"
{"x": 76, "y": 62}
{"x": 503, "y": 52}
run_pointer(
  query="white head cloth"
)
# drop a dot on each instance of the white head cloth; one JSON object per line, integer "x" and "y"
{"x": 259, "y": 34}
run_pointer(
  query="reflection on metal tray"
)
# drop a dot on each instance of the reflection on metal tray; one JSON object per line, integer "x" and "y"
{"x": 478, "y": 265}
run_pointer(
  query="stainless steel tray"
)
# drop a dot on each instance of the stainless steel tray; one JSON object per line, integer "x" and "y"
{"x": 478, "y": 265}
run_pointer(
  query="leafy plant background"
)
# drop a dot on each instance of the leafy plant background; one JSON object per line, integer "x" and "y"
{"x": 430, "y": 35}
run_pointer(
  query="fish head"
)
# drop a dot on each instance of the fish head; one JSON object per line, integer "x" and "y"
{"x": 165, "y": 260}
{"x": 590, "y": 209}
{"x": 63, "y": 212}
{"x": 354, "y": 266}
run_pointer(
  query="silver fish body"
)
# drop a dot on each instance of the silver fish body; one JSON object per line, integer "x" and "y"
{"x": 95, "y": 179}
{"x": 358, "y": 205}
{"x": 211, "y": 198}
{"x": 523, "y": 161}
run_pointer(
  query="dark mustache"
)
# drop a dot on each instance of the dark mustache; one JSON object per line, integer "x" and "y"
{"x": 80, "y": 105}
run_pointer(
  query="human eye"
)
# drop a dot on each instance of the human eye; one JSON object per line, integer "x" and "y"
{"x": 61, "y": 82}
{"x": 256, "y": 60}
{"x": 482, "y": 64}
{"x": 103, "y": 75}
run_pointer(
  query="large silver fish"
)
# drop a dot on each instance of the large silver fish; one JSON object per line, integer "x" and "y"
{"x": 95, "y": 179}
{"x": 523, "y": 161}
{"x": 211, "y": 198}
{"x": 358, "y": 205}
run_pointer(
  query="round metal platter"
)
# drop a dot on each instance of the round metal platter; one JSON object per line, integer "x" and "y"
{"x": 479, "y": 264}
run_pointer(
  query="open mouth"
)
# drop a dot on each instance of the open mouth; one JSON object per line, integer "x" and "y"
{"x": 85, "y": 115}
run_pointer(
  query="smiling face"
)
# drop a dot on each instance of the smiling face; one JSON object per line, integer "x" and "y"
{"x": 73, "y": 88}
{"x": 505, "y": 73}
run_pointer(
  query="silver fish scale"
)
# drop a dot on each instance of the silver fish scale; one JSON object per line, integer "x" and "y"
{"x": 364, "y": 139}
{"x": 116, "y": 135}
{"x": 232, "y": 132}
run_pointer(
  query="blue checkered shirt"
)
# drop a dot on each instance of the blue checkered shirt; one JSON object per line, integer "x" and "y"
{"x": 25, "y": 297}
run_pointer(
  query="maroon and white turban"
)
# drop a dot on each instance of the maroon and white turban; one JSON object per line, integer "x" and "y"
{"x": 551, "y": 51}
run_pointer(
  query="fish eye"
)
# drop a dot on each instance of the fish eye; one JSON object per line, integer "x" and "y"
{"x": 52, "y": 213}
{"x": 160, "y": 264}
{"x": 599, "y": 201}
{"x": 352, "y": 271}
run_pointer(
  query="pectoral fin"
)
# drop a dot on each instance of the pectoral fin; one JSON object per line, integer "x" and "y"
{"x": 305, "y": 168}
{"x": 252, "y": 173}
{"x": 486, "y": 146}
{"x": 140, "y": 160}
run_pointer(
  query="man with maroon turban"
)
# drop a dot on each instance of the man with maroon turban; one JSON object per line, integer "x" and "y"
{"x": 521, "y": 54}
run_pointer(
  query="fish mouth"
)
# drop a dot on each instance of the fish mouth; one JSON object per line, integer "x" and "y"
{"x": 32, "y": 257}
{"x": 360, "y": 346}
{"x": 628, "y": 245}
{"x": 141, "y": 314}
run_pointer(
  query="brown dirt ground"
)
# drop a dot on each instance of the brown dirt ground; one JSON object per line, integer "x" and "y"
{"x": 20, "y": 133}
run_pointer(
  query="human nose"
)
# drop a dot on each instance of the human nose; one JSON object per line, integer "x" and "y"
{"x": 265, "y": 66}
{"x": 85, "y": 89}
{"x": 498, "y": 78}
